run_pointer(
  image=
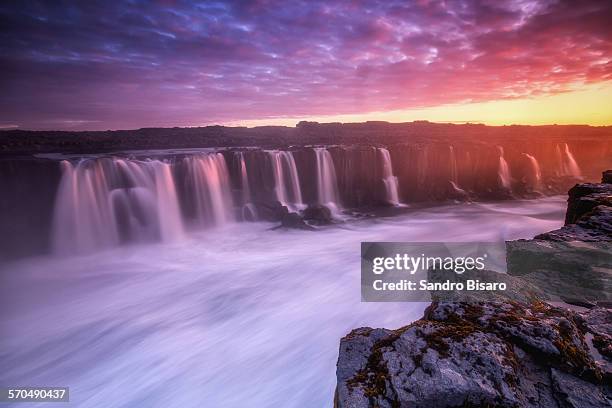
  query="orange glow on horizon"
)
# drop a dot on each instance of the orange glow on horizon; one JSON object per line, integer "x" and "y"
{"x": 589, "y": 105}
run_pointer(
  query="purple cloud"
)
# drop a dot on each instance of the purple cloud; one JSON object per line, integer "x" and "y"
{"x": 99, "y": 65}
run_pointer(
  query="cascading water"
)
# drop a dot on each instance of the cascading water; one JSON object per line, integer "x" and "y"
{"x": 389, "y": 180}
{"x": 454, "y": 173}
{"x": 209, "y": 182}
{"x": 560, "y": 171}
{"x": 454, "y": 176}
{"x": 567, "y": 165}
{"x": 168, "y": 212}
{"x": 244, "y": 180}
{"x": 83, "y": 220}
{"x": 571, "y": 166}
{"x": 249, "y": 212}
{"x": 504, "y": 170}
{"x": 286, "y": 179}
{"x": 537, "y": 173}
{"x": 103, "y": 202}
{"x": 327, "y": 185}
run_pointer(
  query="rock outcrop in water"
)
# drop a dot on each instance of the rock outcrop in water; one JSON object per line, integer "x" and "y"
{"x": 501, "y": 353}
{"x": 589, "y": 213}
{"x": 574, "y": 262}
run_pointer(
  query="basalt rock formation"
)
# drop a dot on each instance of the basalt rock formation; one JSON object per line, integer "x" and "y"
{"x": 502, "y": 353}
{"x": 573, "y": 262}
{"x": 492, "y": 354}
{"x": 589, "y": 213}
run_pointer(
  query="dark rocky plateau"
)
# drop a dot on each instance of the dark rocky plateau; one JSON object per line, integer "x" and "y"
{"x": 305, "y": 133}
{"x": 502, "y": 353}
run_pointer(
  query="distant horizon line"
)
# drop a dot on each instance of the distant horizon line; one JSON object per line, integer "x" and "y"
{"x": 8, "y": 128}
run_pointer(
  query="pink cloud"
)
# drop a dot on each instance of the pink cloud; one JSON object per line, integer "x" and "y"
{"x": 121, "y": 66}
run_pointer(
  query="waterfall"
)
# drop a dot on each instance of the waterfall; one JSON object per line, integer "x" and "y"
{"x": 454, "y": 173}
{"x": 168, "y": 212}
{"x": 537, "y": 173}
{"x": 244, "y": 180}
{"x": 567, "y": 165}
{"x": 249, "y": 212}
{"x": 454, "y": 176}
{"x": 82, "y": 219}
{"x": 571, "y": 167}
{"x": 389, "y": 180}
{"x": 503, "y": 171}
{"x": 209, "y": 182}
{"x": 560, "y": 162}
{"x": 103, "y": 202}
{"x": 286, "y": 180}
{"x": 327, "y": 185}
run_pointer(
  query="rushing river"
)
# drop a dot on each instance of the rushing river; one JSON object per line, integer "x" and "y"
{"x": 242, "y": 316}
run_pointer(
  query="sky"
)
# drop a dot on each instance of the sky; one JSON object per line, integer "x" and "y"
{"x": 123, "y": 64}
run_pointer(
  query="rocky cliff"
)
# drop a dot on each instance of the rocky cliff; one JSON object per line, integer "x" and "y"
{"x": 501, "y": 353}
{"x": 589, "y": 213}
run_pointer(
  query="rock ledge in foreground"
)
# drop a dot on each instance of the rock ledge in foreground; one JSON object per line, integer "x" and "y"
{"x": 501, "y": 354}
{"x": 589, "y": 213}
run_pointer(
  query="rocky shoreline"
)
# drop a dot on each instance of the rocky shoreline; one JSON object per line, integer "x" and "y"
{"x": 503, "y": 353}
{"x": 589, "y": 213}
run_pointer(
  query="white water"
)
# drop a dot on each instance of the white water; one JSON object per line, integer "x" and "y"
{"x": 504, "y": 171}
{"x": 537, "y": 173}
{"x": 208, "y": 179}
{"x": 232, "y": 317}
{"x": 389, "y": 180}
{"x": 244, "y": 180}
{"x": 249, "y": 212}
{"x": 168, "y": 212}
{"x": 458, "y": 189}
{"x": 571, "y": 166}
{"x": 101, "y": 203}
{"x": 286, "y": 179}
{"x": 454, "y": 177}
{"x": 327, "y": 184}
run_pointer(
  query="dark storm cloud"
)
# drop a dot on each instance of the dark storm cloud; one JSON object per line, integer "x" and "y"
{"x": 129, "y": 64}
